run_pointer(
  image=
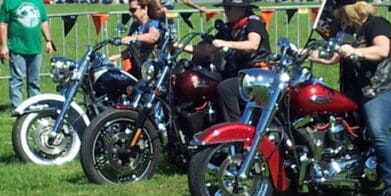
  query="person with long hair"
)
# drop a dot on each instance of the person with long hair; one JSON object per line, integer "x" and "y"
{"x": 144, "y": 31}
{"x": 357, "y": 17}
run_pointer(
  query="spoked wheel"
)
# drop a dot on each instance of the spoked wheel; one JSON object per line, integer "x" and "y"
{"x": 213, "y": 171}
{"x": 30, "y": 139}
{"x": 106, "y": 153}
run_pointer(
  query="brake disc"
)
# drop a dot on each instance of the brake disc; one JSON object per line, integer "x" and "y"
{"x": 42, "y": 135}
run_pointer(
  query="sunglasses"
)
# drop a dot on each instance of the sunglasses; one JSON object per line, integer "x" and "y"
{"x": 134, "y": 9}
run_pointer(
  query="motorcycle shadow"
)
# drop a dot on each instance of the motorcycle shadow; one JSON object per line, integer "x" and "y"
{"x": 79, "y": 179}
{"x": 10, "y": 158}
{"x": 5, "y": 107}
{"x": 167, "y": 167}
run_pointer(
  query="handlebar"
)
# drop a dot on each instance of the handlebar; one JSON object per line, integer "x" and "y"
{"x": 116, "y": 41}
{"x": 218, "y": 25}
{"x": 289, "y": 52}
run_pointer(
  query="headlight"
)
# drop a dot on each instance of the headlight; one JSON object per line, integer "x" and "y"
{"x": 148, "y": 70}
{"x": 61, "y": 68}
{"x": 254, "y": 84}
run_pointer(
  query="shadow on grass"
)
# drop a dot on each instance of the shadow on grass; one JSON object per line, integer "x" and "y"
{"x": 9, "y": 158}
{"x": 165, "y": 168}
{"x": 79, "y": 179}
{"x": 168, "y": 167}
{"x": 5, "y": 107}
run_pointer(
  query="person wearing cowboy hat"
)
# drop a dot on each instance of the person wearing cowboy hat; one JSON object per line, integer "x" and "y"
{"x": 357, "y": 17}
{"x": 247, "y": 40}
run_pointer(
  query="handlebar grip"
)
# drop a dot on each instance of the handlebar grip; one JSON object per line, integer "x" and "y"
{"x": 116, "y": 41}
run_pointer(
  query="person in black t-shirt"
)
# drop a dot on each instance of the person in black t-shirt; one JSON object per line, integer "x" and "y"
{"x": 357, "y": 18}
{"x": 248, "y": 41}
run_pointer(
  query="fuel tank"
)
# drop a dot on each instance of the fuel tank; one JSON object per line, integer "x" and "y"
{"x": 317, "y": 98}
{"x": 193, "y": 86}
{"x": 111, "y": 81}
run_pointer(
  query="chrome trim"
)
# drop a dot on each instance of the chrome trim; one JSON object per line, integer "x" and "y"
{"x": 320, "y": 99}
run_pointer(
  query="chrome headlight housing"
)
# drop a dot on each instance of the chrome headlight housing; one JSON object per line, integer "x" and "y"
{"x": 61, "y": 69}
{"x": 148, "y": 70}
{"x": 255, "y": 84}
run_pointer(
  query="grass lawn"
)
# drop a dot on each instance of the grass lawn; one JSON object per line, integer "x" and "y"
{"x": 19, "y": 178}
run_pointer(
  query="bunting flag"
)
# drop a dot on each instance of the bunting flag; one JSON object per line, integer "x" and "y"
{"x": 99, "y": 19}
{"x": 267, "y": 16}
{"x": 186, "y": 18}
{"x": 302, "y": 11}
{"x": 290, "y": 13}
{"x": 211, "y": 14}
{"x": 125, "y": 18}
{"x": 69, "y": 22}
{"x": 314, "y": 13}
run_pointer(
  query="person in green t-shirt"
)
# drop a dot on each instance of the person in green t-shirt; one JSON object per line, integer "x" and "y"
{"x": 21, "y": 25}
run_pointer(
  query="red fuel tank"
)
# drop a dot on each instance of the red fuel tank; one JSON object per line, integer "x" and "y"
{"x": 317, "y": 98}
{"x": 193, "y": 86}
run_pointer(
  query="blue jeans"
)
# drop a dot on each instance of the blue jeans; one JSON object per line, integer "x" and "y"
{"x": 377, "y": 115}
{"x": 21, "y": 66}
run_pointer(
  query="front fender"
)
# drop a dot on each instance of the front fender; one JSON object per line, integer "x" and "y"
{"x": 240, "y": 132}
{"x": 224, "y": 133}
{"x": 51, "y": 102}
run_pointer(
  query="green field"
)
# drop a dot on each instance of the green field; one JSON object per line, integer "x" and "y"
{"x": 20, "y": 178}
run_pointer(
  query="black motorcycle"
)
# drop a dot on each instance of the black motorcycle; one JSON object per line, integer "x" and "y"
{"x": 48, "y": 126}
{"x": 177, "y": 99}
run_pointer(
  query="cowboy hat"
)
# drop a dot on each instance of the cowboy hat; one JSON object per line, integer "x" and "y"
{"x": 239, "y": 3}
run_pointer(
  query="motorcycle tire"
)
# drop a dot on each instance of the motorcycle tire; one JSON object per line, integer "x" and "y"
{"x": 106, "y": 156}
{"x": 30, "y": 139}
{"x": 212, "y": 172}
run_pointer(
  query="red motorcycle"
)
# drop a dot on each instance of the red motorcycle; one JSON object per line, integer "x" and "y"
{"x": 308, "y": 137}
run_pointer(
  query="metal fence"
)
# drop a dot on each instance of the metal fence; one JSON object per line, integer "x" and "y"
{"x": 84, "y": 32}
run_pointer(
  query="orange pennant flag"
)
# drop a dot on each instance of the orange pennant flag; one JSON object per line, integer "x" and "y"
{"x": 99, "y": 19}
{"x": 267, "y": 16}
{"x": 314, "y": 13}
{"x": 211, "y": 14}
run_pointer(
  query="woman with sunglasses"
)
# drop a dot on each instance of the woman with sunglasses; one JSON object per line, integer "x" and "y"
{"x": 144, "y": 31}
{"x": 248, "y": 41}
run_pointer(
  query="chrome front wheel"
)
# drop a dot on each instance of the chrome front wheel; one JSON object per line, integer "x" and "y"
{"x": 213, "y": 171}
{"x": 30, "y": 139}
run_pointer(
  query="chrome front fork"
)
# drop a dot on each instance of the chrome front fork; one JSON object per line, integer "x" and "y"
{"x": 266, "y": 116}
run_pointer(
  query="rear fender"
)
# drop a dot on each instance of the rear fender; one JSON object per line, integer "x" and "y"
{"x": 51, "y": 103}
{"x": 239, "y": 132}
